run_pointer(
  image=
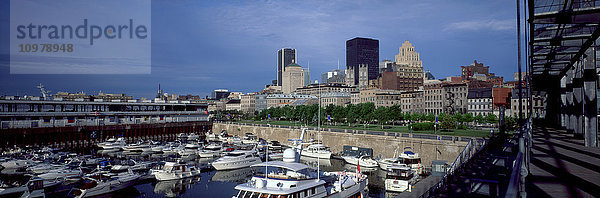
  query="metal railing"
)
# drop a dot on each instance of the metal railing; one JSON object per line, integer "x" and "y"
{"x": 520, "y": 168}
{"x": 474, "y": 146}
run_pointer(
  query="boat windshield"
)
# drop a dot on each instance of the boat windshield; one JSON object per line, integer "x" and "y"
{"x": 399, "y": 174}
{"x": 234, "y": 154}
{"x": 412, "y": 161}
{"x": 212, "y": 148}
{"x": 250, "y": 194}
{"x": 282, "y": 173}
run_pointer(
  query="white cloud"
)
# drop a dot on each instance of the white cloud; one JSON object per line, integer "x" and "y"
{"x": 475, "y": 25}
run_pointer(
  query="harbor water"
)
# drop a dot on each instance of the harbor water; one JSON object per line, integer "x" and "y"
{"x": 210, "y": 183}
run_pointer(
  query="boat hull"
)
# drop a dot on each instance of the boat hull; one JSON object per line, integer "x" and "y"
{"x": 316, "y": 155}
{"x": 230, "y": 165}
{"x": 364, "y": 163}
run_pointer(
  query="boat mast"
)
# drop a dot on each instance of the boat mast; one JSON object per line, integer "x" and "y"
{"x": 267, "y": 162}
{"x": 319, "y": 133}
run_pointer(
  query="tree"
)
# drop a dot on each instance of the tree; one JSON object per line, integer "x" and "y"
{"x": 382, "y": 115}
{"x": 491, "y": 118}
{"x": 479, "y": 118}
{"x": 448, "y": 122}
{"x": 468, "y": 117}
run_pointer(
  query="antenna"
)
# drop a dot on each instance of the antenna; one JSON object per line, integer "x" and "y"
{"x": 45, "y": 93}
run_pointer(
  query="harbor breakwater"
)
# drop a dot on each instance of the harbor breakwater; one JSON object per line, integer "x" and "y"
{"x": 384, "y": 144}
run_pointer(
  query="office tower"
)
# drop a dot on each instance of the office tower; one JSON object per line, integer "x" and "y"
{"x": 285, "y": 57}
{"x": 363, "y": 51}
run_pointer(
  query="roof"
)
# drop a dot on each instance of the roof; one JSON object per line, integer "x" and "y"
{"x": 286, "y": 165}
{"x": 561, "y": 32}
{"x": 293, "y": 65}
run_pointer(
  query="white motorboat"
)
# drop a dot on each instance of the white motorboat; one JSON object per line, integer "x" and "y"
{"x": 250, "y": 139}
{"x": 192, "y": 146}
{"x": 158, "y": 148}
{"x": 275, "y": 146}
{"x": 364, "y": 161}
{"x": 400, "y": 179}
{"x": 234, "y": 140}
{"x": 289, "y": 178}
{"x": 412, "y": 160}
{"x": 211, "y": 150}
{"x": 99, "y": 184}
{"x": 136, "y": 147}
{"x": 193, "y": 137}
{"x": 44, "y": 168}
{"x": 35, "y": 188}
{"x": 316, "y": 151}
{"x": 17, "y": 164}
{"x": 188, "y": 149}
{"x": 173, "y": 170}
{"x": 112, "y": 144}
{"x": 385, "y": 163}
{"x": 211, "y": 137}
{"x": 237, "y": 159}
{"x": 65, "y": 173}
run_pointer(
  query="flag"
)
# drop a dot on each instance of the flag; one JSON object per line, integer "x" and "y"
{"x": 47, "y": 119}
{"x": 329, "y": 118}
{"x": 162, "y": 117}
{"x": 436, "y": 119}
{"x": 70, "y": 120}
{"x": 358, "y": 165}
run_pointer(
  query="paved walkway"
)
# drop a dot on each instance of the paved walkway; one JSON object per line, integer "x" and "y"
{"x": 561, "y": 166}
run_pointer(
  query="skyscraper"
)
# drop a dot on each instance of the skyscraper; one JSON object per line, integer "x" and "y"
{"x": 285, "y": 57}
{"x": 363, "y": 51}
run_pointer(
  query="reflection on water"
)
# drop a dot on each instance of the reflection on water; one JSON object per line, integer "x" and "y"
{"x": 213, "y": 183}
{"x": 174, "y": 188}
{"x": 237, "y": 175}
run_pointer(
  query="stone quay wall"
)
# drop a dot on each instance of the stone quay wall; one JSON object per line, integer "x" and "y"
{"x": 384, "y": 144}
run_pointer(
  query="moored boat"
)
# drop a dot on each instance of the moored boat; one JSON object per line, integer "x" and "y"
{"x": 400, "y": 179}
{"x": 173, "y": 170}
{"x": 237, "y": 159}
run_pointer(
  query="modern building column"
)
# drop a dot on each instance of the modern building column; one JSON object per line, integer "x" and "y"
{"x": 578, "y": 98}
{"x": 570, "y": 104}
{"x": 564, "y": 117}
{"x": 590, "y": 102}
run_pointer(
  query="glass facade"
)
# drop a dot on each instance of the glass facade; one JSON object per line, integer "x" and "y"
{"x": 363, "y": 51}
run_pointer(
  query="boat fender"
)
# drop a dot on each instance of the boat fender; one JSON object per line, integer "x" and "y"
{"x": 260, "y": 183}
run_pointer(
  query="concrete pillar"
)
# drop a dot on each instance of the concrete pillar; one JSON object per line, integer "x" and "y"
{"x": 590, "y": 103}
{"x": 578, "y": 98}
{"x": 563, "y": 103}
{"x": 569, "y": 108}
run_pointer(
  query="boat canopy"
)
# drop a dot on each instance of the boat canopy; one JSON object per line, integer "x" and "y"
{"x": 285, "y": 165}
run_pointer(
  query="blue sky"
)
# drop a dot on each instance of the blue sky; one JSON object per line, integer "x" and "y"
{"x": 199, "y": 46}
